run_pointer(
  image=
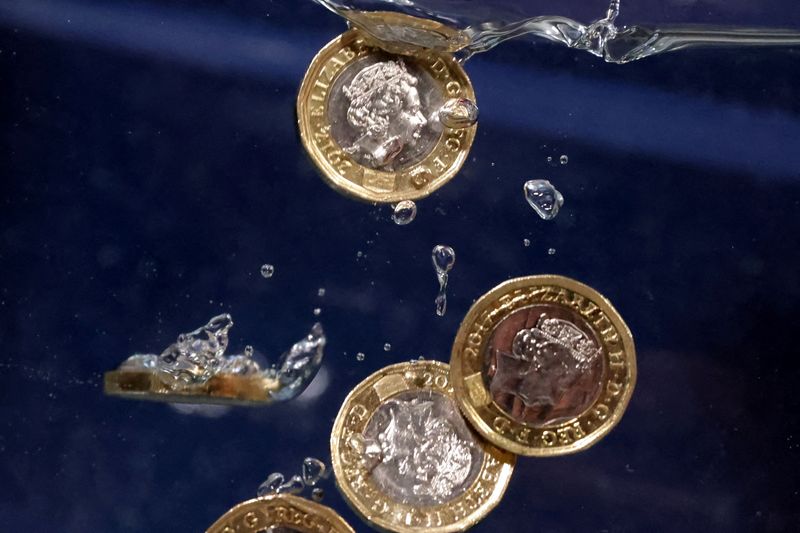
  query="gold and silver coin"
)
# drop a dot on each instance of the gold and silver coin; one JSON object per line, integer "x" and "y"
{"x": 370, "y": 119}
{"x": 280, "y": 513}
{"x": 406, "y": 460}
{"x": 543, "y": 365}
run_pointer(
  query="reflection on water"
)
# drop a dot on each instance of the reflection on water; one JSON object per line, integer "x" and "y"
{"x": 471, "y": 27}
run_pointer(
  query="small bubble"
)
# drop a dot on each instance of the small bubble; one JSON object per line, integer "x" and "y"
{"x": 267, "y": 270}
{"x": 404, "y": 212}
{"x": 458, "y": 113}
{"x": 360, "y": 356}
{"x": 387, "y": 347}
{"x": 551, "y": 251}
{"x": 526, "y": 242}
{"x": 317, "y": 311}
{"x": 321, "y": 292}
{"x": 543, "y": 198}
{"x": 563, "y": 159}
{"x": 359, "y": 254}
{"x": 271, "y": 485}
{"x": 317, "y": 494}
{"x": 549, "y": 159}
{"x": 248, "y": 351}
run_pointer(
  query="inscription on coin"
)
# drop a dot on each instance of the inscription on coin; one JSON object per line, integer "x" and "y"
{"x": 280, "y": 513}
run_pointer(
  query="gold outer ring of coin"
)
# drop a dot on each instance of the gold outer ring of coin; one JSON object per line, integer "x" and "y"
{"x": 374, "y": 506}
{"x": 220, "y": 389}
{"x": 280, "y": 510}
{"x": 343, "y": 172}
{"x": 490, "y": 420}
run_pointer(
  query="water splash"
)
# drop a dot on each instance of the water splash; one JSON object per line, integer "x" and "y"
{"x": 472, "y": 27}
{"x": 543, "y": 198}
{"x": 271, "y": 485}
{"x": 443, "y": 257}
{"x": 404, "y": 212}
{"x": 458, "y": 113}
{"x": 199, "y": 355}
{"x": 314, "y": 471}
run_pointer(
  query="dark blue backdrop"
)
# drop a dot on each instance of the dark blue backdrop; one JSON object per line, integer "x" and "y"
{"x": 150, "y": 165}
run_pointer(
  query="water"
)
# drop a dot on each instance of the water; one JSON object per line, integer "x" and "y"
{"x": 317, "y": 494}
{"x": 267, "y": 270}
{"x": 543, "y": 198}
{"x": 551, "y": 251}
{"x": 468, "y": 28}
{"x": 387, "y": 347}
{"x": 360, "y": 356}
{"x": 443, "y": 257}
{"x": 271, "y": 485}
{"x": 404, "y": 212}
{"x": 321, "y": 292}
{"x": 295, "y": 485}
{"x": 458, "y": 113}
{"x": 314, "y": 471}
{"x": 564, "y": 159}
{"x": 526, "y": 242}
{"x": 197, "y": 356}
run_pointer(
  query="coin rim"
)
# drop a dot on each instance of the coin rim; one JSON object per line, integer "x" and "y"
{"x": 482, "y": 426}
{"x": 329, "y": 173}
{"x": 350, "y": 495}
{"x": 337, "y": 523}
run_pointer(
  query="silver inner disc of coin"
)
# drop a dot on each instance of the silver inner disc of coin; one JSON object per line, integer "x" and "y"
{"x": 384, "y": 112}
{"x": 427, "y": 455}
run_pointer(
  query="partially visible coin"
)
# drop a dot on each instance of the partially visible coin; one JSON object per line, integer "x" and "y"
{"x": 280, "y": 513}
{"x": 369, "y": 119}
{"x": 406, "y": 460}
{"x": 543, "y": 365}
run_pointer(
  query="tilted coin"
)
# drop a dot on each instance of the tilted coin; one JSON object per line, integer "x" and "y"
{"x": 280, "y": 513}
{"x": 369, "y": 119}
{"x": 543, "y": 365}
{"x": 406, "y": 460}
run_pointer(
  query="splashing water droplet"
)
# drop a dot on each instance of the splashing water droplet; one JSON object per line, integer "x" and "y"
{"x": 404, "y": 212}
{"x": 387, "y": 347}
{"x": 317, "y": 494}
{"x": 295, "y": 485}
{"x": 314, "y": 471}
{"x": 297, "y": 367}
{"x": 271, "y": 485}
{"x": 196, "y": 356}
{"x": 458, "y": 113}
{"x": 267, "y": 270}
{"x": 526, "y": 242}
{"x": 443, "y": 258}
{"x": 564, "y": 159}
{"x": 543, "y": 198}
{"x": 360, "y": 356}
{"x": 551, "y": 251}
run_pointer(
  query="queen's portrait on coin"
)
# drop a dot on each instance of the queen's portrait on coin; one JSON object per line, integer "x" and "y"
{"x": 543, "y": 370}
{"x": 385, "y": 110}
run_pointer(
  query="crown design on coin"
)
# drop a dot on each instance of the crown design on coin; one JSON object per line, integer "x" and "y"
{"x": 562, "y": 332}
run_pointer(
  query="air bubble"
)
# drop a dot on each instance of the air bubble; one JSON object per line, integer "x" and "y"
{"x": 267, "y": 270}
{"x": 543, "y": 198}
{"x": 404, "y": 212}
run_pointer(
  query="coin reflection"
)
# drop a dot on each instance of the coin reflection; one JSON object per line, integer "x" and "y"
{"x": 544, "y": 364}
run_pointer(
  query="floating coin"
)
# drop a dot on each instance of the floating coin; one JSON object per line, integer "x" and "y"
{"x": 280, "y": 513}
{"x": 543, "y": 365}
{"x": 369, "y": 119}
{"x": 406, "y": 460}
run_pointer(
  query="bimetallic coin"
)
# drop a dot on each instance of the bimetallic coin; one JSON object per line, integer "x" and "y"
{"x": 543, "y": 365}
{"x": 370, "y": 119}
{"x": 280, "y": 513}
{"x": 405, "y": 459}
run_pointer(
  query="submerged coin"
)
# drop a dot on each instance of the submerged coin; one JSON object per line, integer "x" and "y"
{"x": 543, "y": 365}
{"x": 406, "y": 460}
{"x": 280, "y": 513}
{"x": 369, "y": 119}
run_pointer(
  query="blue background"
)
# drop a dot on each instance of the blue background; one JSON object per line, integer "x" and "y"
{"x": 151, "y": 164}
